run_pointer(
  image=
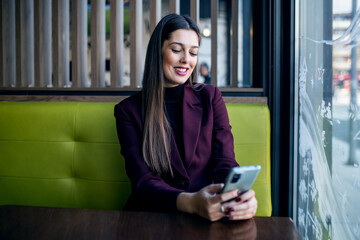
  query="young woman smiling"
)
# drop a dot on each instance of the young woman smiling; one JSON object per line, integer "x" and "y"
{"x": 175, "y": 134}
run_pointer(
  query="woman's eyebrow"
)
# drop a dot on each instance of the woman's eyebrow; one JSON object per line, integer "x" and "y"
{"x": 179, "y": 43}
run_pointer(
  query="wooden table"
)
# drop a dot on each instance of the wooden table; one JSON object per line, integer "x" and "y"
{"x": 20, "y": 222}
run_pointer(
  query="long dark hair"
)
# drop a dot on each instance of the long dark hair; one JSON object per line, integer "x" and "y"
{"x": 157, "y": 135}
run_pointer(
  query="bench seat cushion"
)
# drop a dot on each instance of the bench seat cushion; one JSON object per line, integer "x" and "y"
{"x": 65, "y": 154}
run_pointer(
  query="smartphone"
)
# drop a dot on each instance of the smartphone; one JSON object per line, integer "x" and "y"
{"x": 241, "y": 178}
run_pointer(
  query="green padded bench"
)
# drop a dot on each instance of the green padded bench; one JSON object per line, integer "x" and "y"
{"x": 66, "y": 154}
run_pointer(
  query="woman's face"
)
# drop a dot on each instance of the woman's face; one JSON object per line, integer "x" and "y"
{"x": 179, "y": 56}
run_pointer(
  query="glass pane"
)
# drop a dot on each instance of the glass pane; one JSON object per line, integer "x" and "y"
{"x": 224, "y": 43}
{"x": 204, "y": 56}
{"x": 245, "y": 45}
{"x": 126, "y": 66}
{"x": 327, "y": 173}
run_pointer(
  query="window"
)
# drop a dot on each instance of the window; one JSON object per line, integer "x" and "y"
{"x": 327, "y": 132}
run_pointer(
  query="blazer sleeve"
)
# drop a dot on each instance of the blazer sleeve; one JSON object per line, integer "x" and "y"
{"x": 150, "y": 190}
{"x": 222, "y": 155}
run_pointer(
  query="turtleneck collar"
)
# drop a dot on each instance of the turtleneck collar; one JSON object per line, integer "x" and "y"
{"x": 174, "y": 94}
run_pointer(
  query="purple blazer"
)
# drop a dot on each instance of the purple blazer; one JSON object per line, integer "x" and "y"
{"x": 208, "y": 146}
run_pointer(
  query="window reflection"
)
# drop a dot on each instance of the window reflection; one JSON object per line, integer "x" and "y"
{"x": 327, "y": 184}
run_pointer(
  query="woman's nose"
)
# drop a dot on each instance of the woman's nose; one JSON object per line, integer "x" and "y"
{"x": 185, "y": 58}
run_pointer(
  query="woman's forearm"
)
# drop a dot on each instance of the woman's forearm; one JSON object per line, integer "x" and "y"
{"x": 184, "y": 202}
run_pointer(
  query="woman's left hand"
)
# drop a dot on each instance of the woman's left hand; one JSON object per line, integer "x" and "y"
{"x": 243, "y": 207}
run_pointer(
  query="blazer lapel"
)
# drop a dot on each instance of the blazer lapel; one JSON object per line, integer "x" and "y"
{"x": 192, "y": 116}
{"x": 176, "y": 160}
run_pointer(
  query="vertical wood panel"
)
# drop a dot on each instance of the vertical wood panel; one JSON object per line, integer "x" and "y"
{"x": 61, "y": 42}
{"x": 43, "y": 39}
{"x": 194, "y": 14}
{"x": 234, "y": 43}
{"x": 116, "y": 42}
{"x": 18, "y": 44}
{"x": 46, "y": 43}
{"x": 2, "y": 79}
{"x": 97, "y": 43}
{"x": 79, "y": 46}
{"x": 8, "y": 60}
{"x": 136, "y": 43}
{"x": 37, "y": 17}
{"x": 155, "y": 13}
{"x": 27, "y": 42}
{"x": 214, "y": 40}
{"x": 194, "y": 10}
{"x": 174, "y": 6}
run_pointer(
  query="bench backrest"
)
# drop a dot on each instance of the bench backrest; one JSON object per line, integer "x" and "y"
{"x": 63, "y": 154}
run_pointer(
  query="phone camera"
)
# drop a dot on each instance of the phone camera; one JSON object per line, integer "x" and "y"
{"x": 235, "y": 178}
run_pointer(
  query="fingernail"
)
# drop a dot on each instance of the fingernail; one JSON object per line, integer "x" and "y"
{"x": 229, "y": 210}
{"x": 238, "y": 199}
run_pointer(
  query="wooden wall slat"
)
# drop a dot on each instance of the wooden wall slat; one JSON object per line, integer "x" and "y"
{"x": 37, "y": 13}
{"x": 46, "y": 44}
{"x": 214, "y": 40}
{"x": 27, "y": 42}
{"x": 61, "y": 43}
{"x": 116, "y": 42}
{"x": 174, "y": 6}
{"x": 195, "y": 15}
{"x": 234, "y": 42}
{"x": 155, "y": 13}
{"x": 97, "y": 43}
{"x": 7, "y": 54}
{"x": 79, "y": 43}
{"x": 18, "y": 45}
{"x": 194, "y": 10}
{"x": 43, "y": 43}
{"x": 136, "y": 26}
{"x": 2, "y": 79}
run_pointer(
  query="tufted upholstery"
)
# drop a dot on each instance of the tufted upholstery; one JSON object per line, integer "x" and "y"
{"x": 251, "y": 129}
{"x": 67, "y": 154}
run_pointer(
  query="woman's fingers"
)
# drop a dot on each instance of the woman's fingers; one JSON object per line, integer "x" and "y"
{"x": 223, "y": 197}
{"x": 244, "y": 206}
{"x": 209, "y": 204}
{"x": 244, "y": 210}
{"x": 214, "y": 188}
{"x": 206, "y": 202}
{"x": 216, "y": 208}
{"x": 246, "y": 196}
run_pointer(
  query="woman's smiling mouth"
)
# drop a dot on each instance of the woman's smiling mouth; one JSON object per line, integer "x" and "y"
{"x": 181, "y": 71}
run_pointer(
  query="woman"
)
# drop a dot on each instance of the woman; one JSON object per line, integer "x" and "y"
{"x": 175, "y": 136}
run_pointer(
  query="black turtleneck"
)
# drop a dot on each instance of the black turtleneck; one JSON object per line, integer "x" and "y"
{"x": 173, "y": 110}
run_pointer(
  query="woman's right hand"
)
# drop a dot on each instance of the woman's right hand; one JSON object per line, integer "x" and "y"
{"x": 206, "y": 202}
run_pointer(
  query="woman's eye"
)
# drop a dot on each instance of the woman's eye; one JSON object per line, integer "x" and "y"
{"x": 175, "y": 50}
{"x": 193, "y": 54}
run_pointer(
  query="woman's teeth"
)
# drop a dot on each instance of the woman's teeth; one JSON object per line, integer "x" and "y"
{"x": 181, "y": 69}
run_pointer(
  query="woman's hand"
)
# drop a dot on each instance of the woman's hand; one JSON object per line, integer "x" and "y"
{"x": 243, "y": 207}
{"x": 207, "y": 203}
